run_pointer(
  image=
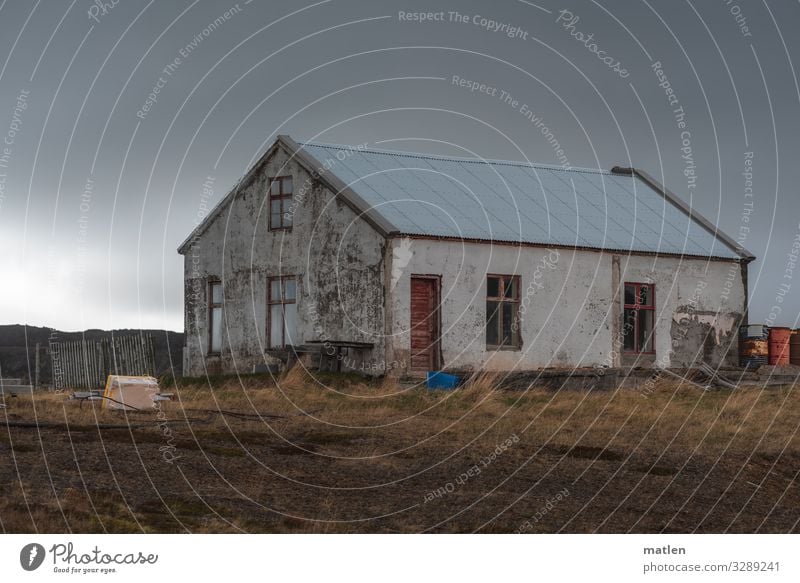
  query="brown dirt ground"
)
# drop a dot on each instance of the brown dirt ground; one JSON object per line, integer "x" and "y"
{"x": 383, "y": 458}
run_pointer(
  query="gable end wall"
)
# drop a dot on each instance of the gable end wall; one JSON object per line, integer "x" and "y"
{"x": 336, "y": 256}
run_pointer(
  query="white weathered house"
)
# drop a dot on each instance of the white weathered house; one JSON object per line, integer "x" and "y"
{"x": 401, "y": 263}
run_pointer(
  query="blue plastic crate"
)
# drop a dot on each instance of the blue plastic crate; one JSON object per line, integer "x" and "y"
{"x": 441, "y": 380}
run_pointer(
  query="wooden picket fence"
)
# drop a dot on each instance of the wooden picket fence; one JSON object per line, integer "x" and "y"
{"x": 87, "y": 364}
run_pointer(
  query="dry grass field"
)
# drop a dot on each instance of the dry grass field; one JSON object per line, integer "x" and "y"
{"x": 340, "y": 454}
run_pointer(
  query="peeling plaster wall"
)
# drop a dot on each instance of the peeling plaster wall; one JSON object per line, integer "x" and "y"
{"x": 349, "y": 278}
{"x": 336, "y": 257}
{"x": 699, "y": 306}
{"x": 567, "y": 298}
{"x": 567, "y": 301}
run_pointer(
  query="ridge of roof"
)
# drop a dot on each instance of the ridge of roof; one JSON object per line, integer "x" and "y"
{"x": 486, "y": 161}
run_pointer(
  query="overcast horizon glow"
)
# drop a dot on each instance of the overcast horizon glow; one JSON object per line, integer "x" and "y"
{"x": 111, "y": 121}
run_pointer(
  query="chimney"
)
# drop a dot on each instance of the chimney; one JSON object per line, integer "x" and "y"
{"x": 622, "y": 170}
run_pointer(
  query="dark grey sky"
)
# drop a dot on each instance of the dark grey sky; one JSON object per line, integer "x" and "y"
{"x": 94, "y": 199}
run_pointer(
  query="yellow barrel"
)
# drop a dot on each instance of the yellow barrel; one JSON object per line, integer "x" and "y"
{"x": 753, "y": 346}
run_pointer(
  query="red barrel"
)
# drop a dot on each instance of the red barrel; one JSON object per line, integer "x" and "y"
{"x": 779, "y": 345}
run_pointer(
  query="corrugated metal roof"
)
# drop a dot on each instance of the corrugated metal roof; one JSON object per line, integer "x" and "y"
{"x": 514, "y": 202}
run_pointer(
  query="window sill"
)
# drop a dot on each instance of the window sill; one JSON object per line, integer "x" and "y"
{"x": 503, "y": 348}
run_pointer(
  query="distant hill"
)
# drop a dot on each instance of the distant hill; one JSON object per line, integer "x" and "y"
{"x": 18, "y": 345}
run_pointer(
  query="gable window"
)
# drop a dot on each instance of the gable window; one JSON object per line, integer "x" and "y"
{"x": 502, "y": 310}
{"x": 281, "y": 310}
{"x": 280, "y": 201}
{"x": 639, "y": 319}
{"x": 214, "y": 317}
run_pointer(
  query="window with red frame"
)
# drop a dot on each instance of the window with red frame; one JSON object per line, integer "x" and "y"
{"x": 638, "y": 327}
{"x": 280, "y": 201}
{"x": 502, "y": 312}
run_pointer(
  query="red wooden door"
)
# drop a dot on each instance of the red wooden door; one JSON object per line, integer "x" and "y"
{"x": 424, "y": 325}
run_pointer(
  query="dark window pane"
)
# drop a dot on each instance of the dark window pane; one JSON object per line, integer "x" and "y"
{"x": 509, "y": 313}
{"x": 645, "y": 297}
{"x": 275, "y": 221}
{"x": 646, "y": 330}
{"x": 492, "y": 323}
{"x": 493, "y": 287}
{"x": 629, "y": 330}
{"x": 630, "y": 294}
{"x": 287, "y": 185}
{"x": 275, "y": 188}
{"x": 511, "y": 288}
{"x": 287, "y": 218}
